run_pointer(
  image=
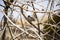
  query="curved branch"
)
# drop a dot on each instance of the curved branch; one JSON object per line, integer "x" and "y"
{"x": 16, "y": 25}
{"x": 28, "y": 20}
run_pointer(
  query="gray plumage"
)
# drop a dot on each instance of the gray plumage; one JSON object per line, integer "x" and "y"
{"x": 30, "y": 18}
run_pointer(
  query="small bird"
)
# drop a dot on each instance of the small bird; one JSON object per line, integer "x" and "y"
{"x": 11, "y": 1}
{"x": 30, "y": 18}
